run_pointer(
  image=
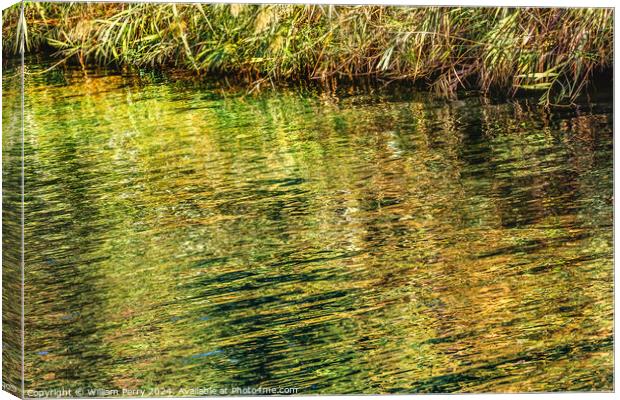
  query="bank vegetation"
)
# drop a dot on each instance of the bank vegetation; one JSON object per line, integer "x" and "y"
{"x": 555, "y": 52}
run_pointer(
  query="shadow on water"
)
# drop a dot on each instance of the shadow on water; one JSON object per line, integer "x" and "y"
{"x": 356, "y": 243}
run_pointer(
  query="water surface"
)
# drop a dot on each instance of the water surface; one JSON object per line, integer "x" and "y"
{"x": 182, "y": 236}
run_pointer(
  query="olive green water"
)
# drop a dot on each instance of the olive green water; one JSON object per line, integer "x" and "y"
{"x": 179, "y": 238}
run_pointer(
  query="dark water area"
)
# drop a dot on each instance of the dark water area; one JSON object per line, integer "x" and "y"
{"x": 182, "y": 237}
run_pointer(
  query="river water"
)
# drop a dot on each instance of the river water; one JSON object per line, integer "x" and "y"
{"x": 189, "y": 237}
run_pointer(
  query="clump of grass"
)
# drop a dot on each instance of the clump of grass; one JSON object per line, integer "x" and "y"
{"x": 554, "y": 51}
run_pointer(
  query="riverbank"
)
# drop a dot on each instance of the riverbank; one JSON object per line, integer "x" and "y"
{"x": 554, "y": 52}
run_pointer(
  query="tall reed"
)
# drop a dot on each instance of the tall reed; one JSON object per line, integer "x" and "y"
{"x": 554, "y": 51}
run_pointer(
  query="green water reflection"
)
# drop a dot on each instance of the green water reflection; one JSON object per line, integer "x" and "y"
{"x": 181, "y": 237}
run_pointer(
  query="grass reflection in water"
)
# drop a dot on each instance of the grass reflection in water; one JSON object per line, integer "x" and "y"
{"x": 359, "y": 243}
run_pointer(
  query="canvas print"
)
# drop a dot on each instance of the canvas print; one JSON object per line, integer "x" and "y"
{"x": 278, "y": 199}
